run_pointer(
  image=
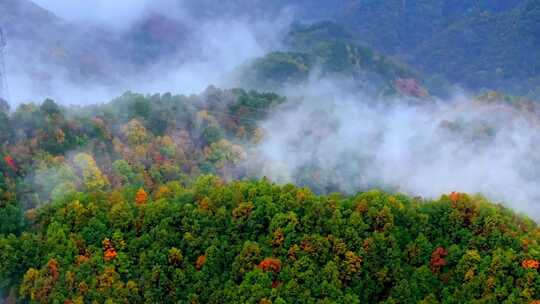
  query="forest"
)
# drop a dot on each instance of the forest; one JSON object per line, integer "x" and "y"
{"x": 257, "y": 242}
{"x": 141, "y": 201}
{"x": 298, "y": 152}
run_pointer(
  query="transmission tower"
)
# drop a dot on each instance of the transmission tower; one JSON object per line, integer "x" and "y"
{"x": 3, "y": 78}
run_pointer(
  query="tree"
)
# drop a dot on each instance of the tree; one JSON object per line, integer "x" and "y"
{"x": 93, "y": 179}
{"x": 135, "y": 132}
{"x": 49, "y": 107}
{"x": 437, "y": 259}
{"x": 141, "y": 197}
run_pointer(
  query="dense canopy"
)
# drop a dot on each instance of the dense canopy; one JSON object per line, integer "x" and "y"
{"x": 257, "y": 242}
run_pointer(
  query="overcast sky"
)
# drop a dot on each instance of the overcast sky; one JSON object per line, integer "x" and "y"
{"x": 113, "y": 13}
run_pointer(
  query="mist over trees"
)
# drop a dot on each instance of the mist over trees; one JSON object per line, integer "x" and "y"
{"x": 270, "y": 152}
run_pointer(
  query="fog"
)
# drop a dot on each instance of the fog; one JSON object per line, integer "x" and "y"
{"x": 117, "y": 15}
{"x": 332, "y": 138}
{"x": 95, "y": 51}
{"x": 330, "y": 135}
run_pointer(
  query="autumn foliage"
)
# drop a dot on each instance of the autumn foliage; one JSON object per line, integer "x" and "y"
{"x": 201, "y": 260}
{"x": 437, "y": 259}
{"x": 81, "y": 259}
{"x": 109, "y": 250}
{"x": 454, "y": 196}
{"x": 285, "y": 246}
{"x": 141, "y": 197}
{"x": 94, "y": 234}
{"x": 270, "y": 264}
{"x": 352, "y": 265}
{"x": 52, "y": 265}
{"x": 10, "y": 162}
{"x": 530, "y": 264}
{"x": 410, "y": 87}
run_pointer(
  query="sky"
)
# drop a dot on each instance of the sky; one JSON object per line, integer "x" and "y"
{"x": 117, "y": 14}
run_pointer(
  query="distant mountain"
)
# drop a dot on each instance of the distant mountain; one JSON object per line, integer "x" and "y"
{"x": 482, "y": 44}
{"x": 400, "y": 26}
{"x": 494, "y": 50}
{"x": 479, "y": 44}
{"x": 42, "y": 45}
{"x": 328, "y": 49}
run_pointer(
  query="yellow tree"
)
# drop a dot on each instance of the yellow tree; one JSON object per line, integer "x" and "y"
{"x": 135, "y": 132}
{"x": 93, "y": 178}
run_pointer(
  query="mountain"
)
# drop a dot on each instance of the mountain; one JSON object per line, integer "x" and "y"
{"x": 258, "y": 242}
{"x": 136, "y": 201}
{"x": 478, "y": 44}
{"x": 398, "y": 26}
{"x": 149, "y": 198}
{"x": 41, "y": 46}
{"x": 327, "y": 49}
{"x": 47, "y": 49}
{"x": 489, "y": 50}
{"x": 336, "y": 172}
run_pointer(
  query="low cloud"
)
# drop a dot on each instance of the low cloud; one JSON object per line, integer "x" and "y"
{"x": 87, "y": 60}
{"x": 117, "y": 15}
{"x": 335, "y": 139}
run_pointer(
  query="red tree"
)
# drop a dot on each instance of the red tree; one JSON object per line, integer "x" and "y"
{"x": 270, "y": 264}
{"x": 454, "y": 196}
{"x": 201, "y": 260}
{"x": 530, "y": 264}
{"x": 109, "y": 250}
{"x": 437, "y": 259}
{"x": 10, "y": 162}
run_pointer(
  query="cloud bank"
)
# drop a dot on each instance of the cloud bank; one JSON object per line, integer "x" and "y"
{"x": 334, "y": 139}
{"x": 109, "y": 47}
{"x": 329, "y": 135}
{"x": 117, "y": 15}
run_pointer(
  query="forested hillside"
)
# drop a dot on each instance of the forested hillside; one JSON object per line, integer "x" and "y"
{"x": 107, "y": 203}
{"x": 256, "y": 242}
{"x": 480, "y": 45}
{"x": 137, "y": 141}
{"x": 329, "y": 50}
{"x": 342, "y": 152}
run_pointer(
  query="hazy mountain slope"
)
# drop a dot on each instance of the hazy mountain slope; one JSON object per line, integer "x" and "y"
{"x": 493, "y": 50}
{"x": 326, "y": 49}
{"x": 34, "y": 25}
{"x": 399, "y": 26}
{"x": 49, "y": 56}
{"x": 478, "y": 44}
{"x": 41, "y": 46}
